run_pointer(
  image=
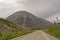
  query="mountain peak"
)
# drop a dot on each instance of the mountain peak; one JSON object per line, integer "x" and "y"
{"x": 22, "y": 12}
{"x": 28, "y": 20}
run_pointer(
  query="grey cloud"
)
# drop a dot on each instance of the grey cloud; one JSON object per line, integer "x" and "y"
{"x": 52, "y": 7}
{"x": 5, "y": 12}
{"x": 41, "y": 8}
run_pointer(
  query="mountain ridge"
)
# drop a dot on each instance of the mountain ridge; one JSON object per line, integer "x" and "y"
{"x": 28, "y": 20}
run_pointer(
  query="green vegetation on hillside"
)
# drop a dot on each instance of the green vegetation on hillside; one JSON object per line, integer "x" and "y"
{"x": 9, "y": 30}
{"x": 9, "y": 24}
{"x": 54, "y": 30}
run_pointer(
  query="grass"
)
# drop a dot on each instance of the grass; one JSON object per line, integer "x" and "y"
{"x": 12, "y": 30}
{"x": 7, "y": 35}
{"x": 54, "y": 30}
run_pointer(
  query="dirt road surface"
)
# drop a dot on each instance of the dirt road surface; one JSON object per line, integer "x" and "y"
{"x": 37, "y": 35}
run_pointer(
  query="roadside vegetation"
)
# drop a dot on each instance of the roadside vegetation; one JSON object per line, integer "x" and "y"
{"x": 9, "y": 30}
{"x": 54, "y": 30}
{"x": 6, "y": 34}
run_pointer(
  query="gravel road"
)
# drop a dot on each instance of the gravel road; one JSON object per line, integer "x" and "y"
{"x": 37, "y": 35}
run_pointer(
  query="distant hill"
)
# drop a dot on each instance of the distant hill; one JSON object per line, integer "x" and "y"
{"x": 54, "y": 30}
{"x": 28, "y": 20}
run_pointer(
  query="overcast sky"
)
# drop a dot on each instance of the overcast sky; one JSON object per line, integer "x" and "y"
{"x": 47, "y": 9}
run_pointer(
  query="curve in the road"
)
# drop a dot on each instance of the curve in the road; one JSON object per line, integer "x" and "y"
{"x": 37, "y": 35}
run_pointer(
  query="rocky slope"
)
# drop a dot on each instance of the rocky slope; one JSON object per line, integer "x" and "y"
{"x": 28, "y": 20}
